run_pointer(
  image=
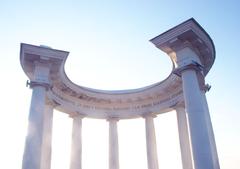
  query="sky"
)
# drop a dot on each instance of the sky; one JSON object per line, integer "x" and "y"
{"x": 109, "y": 49}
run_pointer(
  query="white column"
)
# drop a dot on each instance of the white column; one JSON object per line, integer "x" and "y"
{"x": 152, "y": 156}
{"x": 210, "y": 133}
{"x": 76, "y": 150}
{"x": 197, "y": 122}
{"x": 184, "y": 138}
{"x": 47, "y": 137}
{"x": 33, "y": 145}
{"x": 113, "y": 144}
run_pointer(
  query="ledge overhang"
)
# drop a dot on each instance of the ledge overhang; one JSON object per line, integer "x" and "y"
{"x": 157, "y": 98}
{"x": 29, "y": 54}
{"x": 189, "y": 33}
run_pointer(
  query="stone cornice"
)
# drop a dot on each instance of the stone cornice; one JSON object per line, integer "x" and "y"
{"x": 31, "y": 55}
{"x": 191, "y": 34}
{"x": 158, "y": 98}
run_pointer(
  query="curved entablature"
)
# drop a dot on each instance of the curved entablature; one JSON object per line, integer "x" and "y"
{"x": 157, "y": 98}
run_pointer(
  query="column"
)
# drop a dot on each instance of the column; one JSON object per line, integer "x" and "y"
{"x": 76, "y": 150}
{"x": 195, "y": 108}
{"x": 47, "y": 137}
{"x": 33, "y": 145}
{"x": 152, "y": 156}
{"x": 210, "y": 133}
{"x": 183, "y": 132}
{"x": 113, "y": 144}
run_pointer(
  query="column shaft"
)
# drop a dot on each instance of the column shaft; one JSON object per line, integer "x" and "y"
{"x": 152, "y": 156}
{"x": 47, "y": 138}
{"x": 33, "y": 145}
{"x": 210, "y": 133}
{"x": 113, "y": 144}
{"x": 184, "y": 139}
{"x": 197, "y": 122}
{"x": 76, "y": 151}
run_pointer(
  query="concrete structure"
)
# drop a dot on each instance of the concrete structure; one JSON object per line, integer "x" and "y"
{"x": 192, "y": 52}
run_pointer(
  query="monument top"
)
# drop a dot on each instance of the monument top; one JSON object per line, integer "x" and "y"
{"x": 157, "y": 98}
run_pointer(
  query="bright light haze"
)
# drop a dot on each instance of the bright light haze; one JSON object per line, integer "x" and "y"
{"x": 109, "y": 49}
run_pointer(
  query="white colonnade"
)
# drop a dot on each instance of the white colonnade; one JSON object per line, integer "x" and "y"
{"x": 193, "y": 53}
{"x": 37, "y": 153}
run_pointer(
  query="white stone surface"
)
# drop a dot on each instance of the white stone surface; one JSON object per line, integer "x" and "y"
{"x": 113, "y": 144}
{"x": 123, "y": 104}
{"x": 152, "y": 156}
{"x": 184, "y": 138}
{"x": 210, "y": 133}
{"x": 33, "y": 145}
{"x": 187, "y": 43}
{"x": 47, "y": 138}
{"x": 186, "y": 56}
{"x": 76, "y": 150}
{"x": 197, "y": 123}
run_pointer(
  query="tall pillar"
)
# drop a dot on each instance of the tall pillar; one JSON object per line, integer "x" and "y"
{"x": 47, "y": 137}
{"x": 76, "y": 150}
{"x": 33, "y": 145}
{"x": 152, "y": 156}
{"x": 189, "y": 68}
{"x": 210, "y": 132}
{"x": 197, "y": 123}
{"x": 113, "y": 144}
{"x": 183, "y": 132}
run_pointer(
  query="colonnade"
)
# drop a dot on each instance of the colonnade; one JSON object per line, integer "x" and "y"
{"x": 198, "y": 149}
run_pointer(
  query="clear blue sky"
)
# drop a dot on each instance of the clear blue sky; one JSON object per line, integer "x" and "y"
{"x": 109, "y": 49}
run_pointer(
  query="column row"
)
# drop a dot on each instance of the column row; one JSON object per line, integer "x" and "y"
{"x": 37, "y": 153}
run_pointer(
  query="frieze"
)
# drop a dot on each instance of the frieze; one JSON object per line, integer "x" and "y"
{"x": 167, "y": 102}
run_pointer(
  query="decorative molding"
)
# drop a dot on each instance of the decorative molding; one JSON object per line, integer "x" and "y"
{"x": 33, "y": 84}
{"x": 194, "y": 66}
{"x": 158, "y": 98}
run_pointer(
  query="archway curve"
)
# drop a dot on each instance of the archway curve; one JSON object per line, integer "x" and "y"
{"x": 157, "y": 98}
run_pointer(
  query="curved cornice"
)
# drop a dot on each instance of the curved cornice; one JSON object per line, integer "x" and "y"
{"x": 157, "y": 98}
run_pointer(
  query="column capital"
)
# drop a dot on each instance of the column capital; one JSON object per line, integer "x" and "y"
{"x": 179, "y": 108}
{"x": 76, "y": 115}
{"x": 109, "y": 119}
{"x": 33, "y": 84}
{"x": 194, "y": 66}
{"x": 145, "y": 115}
